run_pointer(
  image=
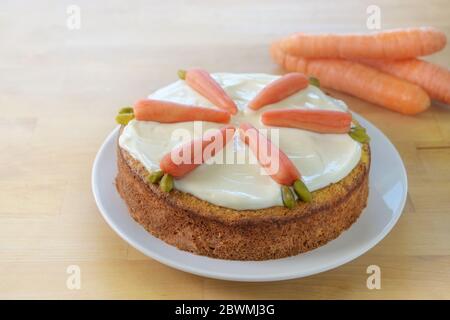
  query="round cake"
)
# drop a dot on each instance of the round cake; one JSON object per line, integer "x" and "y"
{"x": 231, "y": 209}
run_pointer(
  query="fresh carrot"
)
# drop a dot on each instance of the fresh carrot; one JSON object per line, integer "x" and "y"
{"x": 434, "y": 79}
{"x": 173, "y": 164}
{"x": 202, "y": 82}
{"x": 323, "y": 121}
{"x": 169, "y": 112}
{"x": 279, "y": 89}
{"x": 391, "y": 44}
{"x": 272, "y": 160}
{"x": 359, "y": 80}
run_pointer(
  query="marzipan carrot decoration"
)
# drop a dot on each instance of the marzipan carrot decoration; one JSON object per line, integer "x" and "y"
{"x": 185, "y": 158}
{"x": 202, "y": 82}
{"x": 391, "y": 44}
{"x": 170, "y": 112}
{"x": 279, "y": 89}
{"x": 359, "y": 80}
{"x": 434, "y": 79}
{"x": 323, "y": 121}
{"x": 269, "y": 156}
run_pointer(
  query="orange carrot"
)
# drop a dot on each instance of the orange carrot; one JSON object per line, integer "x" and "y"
{"x": 202, "y": 82}
{"x": 359, "y": 80}
{"x": 434, "y": 79}
{"x": 173, "y": 164}
{"x": 391, "y": 44}
{"x": 323, "y": 121}
{"x": 279, "y": 89}
{"x": 268, "y": 155}
{"x": 169, "y": 112}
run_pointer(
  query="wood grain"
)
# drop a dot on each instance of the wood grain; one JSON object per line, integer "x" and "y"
{"x": 60, "y": 89}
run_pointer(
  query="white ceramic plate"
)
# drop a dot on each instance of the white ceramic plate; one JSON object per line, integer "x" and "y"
{"x": 387, "y": 195}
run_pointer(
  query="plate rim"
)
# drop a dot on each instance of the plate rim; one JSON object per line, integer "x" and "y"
{"x": 220, "y": 275}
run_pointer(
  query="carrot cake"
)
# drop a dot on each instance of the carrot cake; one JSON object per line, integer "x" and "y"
{"x": 228, "y": 204}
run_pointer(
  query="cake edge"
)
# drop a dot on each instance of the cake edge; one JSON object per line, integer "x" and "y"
{"x": 197, "y": 226}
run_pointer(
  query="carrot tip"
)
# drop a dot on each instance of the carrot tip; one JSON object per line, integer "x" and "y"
{"x": 182, "y": 74}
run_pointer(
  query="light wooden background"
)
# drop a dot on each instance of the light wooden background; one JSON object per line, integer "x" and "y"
{"x": 59, "y": 92}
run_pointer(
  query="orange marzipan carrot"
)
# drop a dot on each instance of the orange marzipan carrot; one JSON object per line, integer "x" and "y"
{"x": 197, "y": 154}
{"x": 323, "y": 121}
{"x": 170, "y": 112}
{"x": 390, "y": 44}
{"x": 279, "y": 89}
{"x": 202, "y": 82}
{"x": 268, "y": 154}
{"x": 359, "y": 80}
{"x": 434, "y": 79}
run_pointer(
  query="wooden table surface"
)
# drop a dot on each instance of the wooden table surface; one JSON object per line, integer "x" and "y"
{"x": 59, "y": 92}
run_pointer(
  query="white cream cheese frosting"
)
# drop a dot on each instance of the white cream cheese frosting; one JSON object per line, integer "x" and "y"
{"x": 322, "y": 159}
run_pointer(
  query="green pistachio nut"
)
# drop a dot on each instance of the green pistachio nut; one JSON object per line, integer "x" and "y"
{"x": 359, "y": 134}
{"x": 166, "y": 183}
{"x": 155, "y": 176}
{"x": 302, "y": 191}
{"x": 182, "y": 74}
{"x": 288, "y": 197}
{"x": 124, "y": 118}
{"x": 126, "y": 110}
{"x": 314, "y": 82}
